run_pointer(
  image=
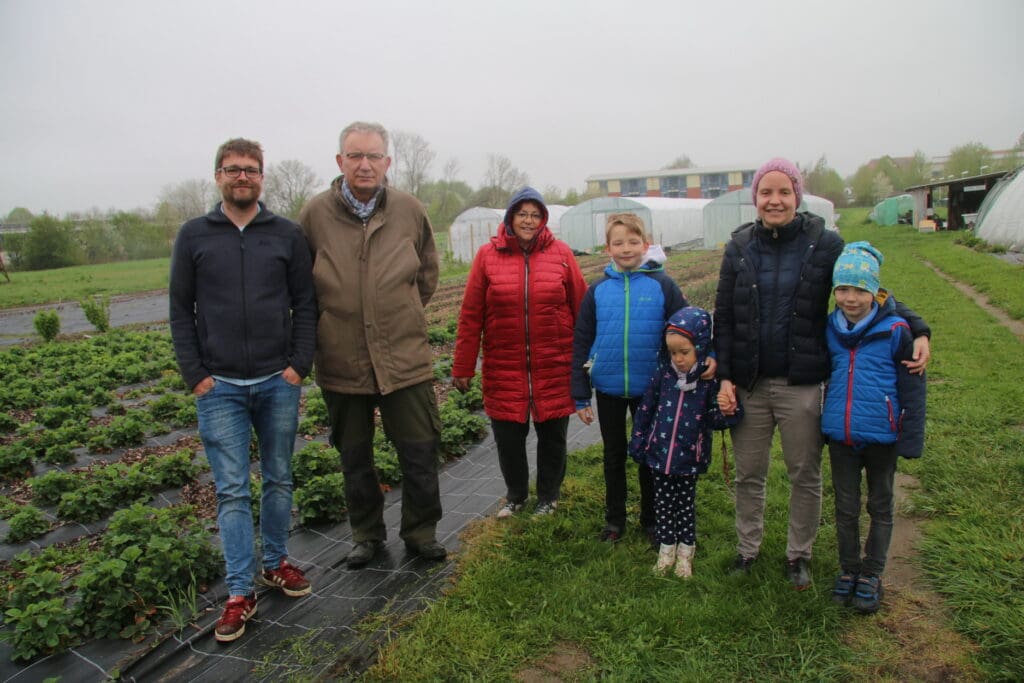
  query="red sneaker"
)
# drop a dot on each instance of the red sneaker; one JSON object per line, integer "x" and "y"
{"x": 288, "y": 578}
{"x": 237, "y": 611}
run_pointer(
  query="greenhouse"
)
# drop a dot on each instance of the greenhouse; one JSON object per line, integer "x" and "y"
{"x": 891, "y": 209}
{"x": 1001, "y": 217}
{"x": 731, "y": 210}
{"x": 472, "y": 228}
{"x": 670, "y": 222}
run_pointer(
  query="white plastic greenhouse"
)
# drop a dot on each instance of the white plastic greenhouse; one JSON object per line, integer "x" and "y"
{"x": 732, "y": 209}
{"x": 555, "y": 213}
{"x": 472, "y": 228}
{"x": 670, "y": 222}
{"x": 1001, "y": 217}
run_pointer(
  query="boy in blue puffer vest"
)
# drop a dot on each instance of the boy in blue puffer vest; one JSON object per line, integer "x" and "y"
{"x": 615, "y": 352}
{"x": 874, "y": 412}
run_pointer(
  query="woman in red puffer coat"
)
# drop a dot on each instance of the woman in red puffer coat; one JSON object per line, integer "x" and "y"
{"x": 522, "y": 296}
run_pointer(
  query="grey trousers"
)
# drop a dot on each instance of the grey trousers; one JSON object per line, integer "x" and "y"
{"x": 796, "y": 411}
{"x": 879, "y": 465}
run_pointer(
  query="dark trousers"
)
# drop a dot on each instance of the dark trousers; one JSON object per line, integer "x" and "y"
{"x": 675, "y": 508}
{"x": 611, "y": 416}
{"x": 879, "y": 464}
{"x": 412, "y": 423}
{"x": 510, "y": 438}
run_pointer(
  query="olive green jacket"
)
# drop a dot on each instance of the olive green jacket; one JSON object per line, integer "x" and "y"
{"x": 372, "y": 281}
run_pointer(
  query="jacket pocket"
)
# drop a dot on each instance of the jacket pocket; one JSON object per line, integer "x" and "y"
{"x": 893, "y": 425}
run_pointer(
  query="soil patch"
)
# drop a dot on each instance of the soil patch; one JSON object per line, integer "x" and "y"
{"x": 1015, "y": 326}
{"x": 566, "y": 662}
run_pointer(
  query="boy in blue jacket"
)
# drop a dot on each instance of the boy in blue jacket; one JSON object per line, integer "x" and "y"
{"x": 672, "y": 435}
{"x": 874, "y": 412}
{"x": 615, "y": 352}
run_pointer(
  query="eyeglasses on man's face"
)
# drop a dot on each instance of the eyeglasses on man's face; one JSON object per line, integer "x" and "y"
{"x": 235, "y": 171}
{"x": 359, "y": 156}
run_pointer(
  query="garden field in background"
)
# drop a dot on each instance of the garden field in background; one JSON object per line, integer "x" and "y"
{"x": 532, "y": 592}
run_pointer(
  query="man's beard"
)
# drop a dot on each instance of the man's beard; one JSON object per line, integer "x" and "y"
{"x": 242, "y": 204}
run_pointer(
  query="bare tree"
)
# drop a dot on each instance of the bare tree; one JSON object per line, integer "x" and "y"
{"x": 501, "y": 179}
{"x": 187, "y": 199}
{"x": 449, "y": 201}
{"x": 411, "y": 159}
{"x": 288, "y": 185}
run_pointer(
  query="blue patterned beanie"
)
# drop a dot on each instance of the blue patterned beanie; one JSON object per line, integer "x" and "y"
{"x": 858, "y": 267}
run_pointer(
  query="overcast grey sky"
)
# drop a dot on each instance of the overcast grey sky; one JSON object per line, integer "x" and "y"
{"x": 105, "y": 102}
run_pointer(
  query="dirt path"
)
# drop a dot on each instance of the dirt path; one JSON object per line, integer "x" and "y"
{"x": 920, "y": 643}
{"x": 1015, "y": 326}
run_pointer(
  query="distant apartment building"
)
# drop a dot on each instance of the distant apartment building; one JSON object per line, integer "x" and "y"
{"x": 694, "y": 183}
{"x": 938, "y": 163}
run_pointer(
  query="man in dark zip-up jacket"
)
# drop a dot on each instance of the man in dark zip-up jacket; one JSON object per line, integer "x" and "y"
{"x": 242, "y": 300}
{"x": 243, "y": 322}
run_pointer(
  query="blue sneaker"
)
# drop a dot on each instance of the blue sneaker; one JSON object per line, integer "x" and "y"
{"x": 867, "y": 597}
{"x": 842, "y": 591}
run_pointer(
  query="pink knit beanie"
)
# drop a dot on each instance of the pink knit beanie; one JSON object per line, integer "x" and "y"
{"x": 783, "y": 166}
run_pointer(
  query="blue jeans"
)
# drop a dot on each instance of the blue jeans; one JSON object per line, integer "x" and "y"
{"x": 227, "y": 416}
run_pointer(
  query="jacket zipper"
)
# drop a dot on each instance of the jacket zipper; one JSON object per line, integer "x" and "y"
{"x": 625, "y": 341}
{"x": 892, "y": 415}
{"x": 773, "y": 313}
{"x": 847, "y": 417}
{"x": 675, "y": 428}
{"x": 245, "y": 309}
{"x": 526, "y": 320}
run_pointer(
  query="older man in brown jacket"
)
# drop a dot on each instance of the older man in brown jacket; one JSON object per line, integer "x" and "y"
{"x": 375, "y": 267}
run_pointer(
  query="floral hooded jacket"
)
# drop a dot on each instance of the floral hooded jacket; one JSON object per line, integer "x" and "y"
{"x": 672, "y": 427}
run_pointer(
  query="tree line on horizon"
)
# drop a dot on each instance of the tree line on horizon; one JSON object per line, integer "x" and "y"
{"x": 102, "y": 237}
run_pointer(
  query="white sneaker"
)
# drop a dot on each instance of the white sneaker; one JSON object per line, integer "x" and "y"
{"x": 666, "y": 558}
{"x": 684, "y": 561}
{"x": 509, "y": 509}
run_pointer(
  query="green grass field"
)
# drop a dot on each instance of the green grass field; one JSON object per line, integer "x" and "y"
{"x": 36, "y": 287}
{"x": 30, "y": 288}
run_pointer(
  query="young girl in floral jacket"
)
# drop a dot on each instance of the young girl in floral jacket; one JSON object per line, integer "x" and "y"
{"x": 672, "y": 435}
